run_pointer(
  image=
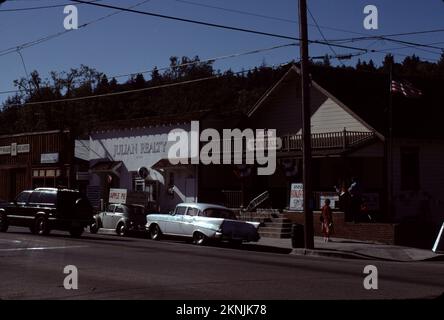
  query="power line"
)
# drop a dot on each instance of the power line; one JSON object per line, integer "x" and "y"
{"x": 250, "y": 52}
{"x": 215, "y": 25}
{"x": 233, "y": 55}
{"x": 389, "y": 35}
{"x": 137, "y": 90}
{"x": 320, "y": 31}
{"x": 55, "y": 35}
{"x": 247, "y": 13}
{"x": 39, "y": 7}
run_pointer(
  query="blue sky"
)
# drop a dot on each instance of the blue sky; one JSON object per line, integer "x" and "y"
{"x": 127, "y": 42}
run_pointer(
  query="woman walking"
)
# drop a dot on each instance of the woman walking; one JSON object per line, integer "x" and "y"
{"x": 326, "y": 220}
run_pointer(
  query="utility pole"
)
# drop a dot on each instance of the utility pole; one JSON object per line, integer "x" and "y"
{"x": 306, "y": 130}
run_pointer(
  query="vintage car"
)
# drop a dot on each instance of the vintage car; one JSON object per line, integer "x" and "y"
{"x": 202, "y": 222}
{"x": 122, "y": 218}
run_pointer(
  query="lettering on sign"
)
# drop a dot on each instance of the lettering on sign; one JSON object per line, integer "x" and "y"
{"x": 125, "y": 149}
{"x": 14, "y": 149}
{"x": 117, "y": 196}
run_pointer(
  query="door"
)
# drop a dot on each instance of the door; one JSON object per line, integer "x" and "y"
{"x": 18, "y": 213}
{"x": 118, "y": 215}
{"x": 173, "y": 226}
{"x": 107, "y": 217}
{"x": 189, "y": 220}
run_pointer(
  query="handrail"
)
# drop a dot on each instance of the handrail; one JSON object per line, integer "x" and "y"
{"x": 327, "y": 140}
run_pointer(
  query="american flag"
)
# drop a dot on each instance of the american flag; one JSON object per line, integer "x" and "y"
{"x": 405, "y": 88}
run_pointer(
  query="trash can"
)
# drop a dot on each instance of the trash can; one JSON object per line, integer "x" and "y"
{"x": 297, "y": 236}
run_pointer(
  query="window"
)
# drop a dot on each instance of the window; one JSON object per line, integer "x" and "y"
{"x": 219, "y": 213}
{"x": 180, "y": 211}
{"x": 119, "y": 209}
{"x": 410, "y": 169}
{"x": 111, "y": 207}
{"x": 48, "y": 197}
{"x": 35, "y": 197}
{"x": 23, "y": 197}
{"x": 139, "y": 185}
{"x": 192, "y": 212}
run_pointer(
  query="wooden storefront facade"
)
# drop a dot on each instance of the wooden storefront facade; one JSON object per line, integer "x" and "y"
{"x": 31, "y": 160}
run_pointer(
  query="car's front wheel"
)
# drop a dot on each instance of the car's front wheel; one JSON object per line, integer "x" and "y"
{"x": 3, "y": 222}
{"x": 155, "y": 232}
{"x": 94, "y": 228}
{"x": 199, "y": 238}
{"x": 121, "y": 229}
{"x": 42, "y": 226}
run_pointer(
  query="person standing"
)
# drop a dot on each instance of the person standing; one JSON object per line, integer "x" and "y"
{"x": 326, "y": 220}
{"x": 356, "y": 198}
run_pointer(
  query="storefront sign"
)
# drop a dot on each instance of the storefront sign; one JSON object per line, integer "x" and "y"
{"x": 297, "y": 197}
{"x": 117, "y": 195}
{"x": 49, "y": 158}
{"x": 14, "y": 149}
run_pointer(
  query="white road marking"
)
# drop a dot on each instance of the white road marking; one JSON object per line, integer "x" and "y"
{"x": 41, "y": 248}
{"x": 13, "y": 241}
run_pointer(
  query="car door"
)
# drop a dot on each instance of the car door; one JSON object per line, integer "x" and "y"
{"x": 118, "y": 215}
{"x": 33, "y": 205}
{"x": 173, "y": 226}
{"x": 107, "y": 217}
{"x": 17, "y": 212}
{"x": 189, "y": 220}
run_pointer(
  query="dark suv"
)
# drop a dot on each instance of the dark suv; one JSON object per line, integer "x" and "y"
{"x": 44, "y": 209}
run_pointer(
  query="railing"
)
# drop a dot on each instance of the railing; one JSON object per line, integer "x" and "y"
{"x": 233, "y": 198}
{"x": 330, "y": 140}
{"x": 258, "y": 201}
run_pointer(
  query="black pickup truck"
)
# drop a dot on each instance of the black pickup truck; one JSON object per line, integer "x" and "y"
{"x": 46, "y": 209}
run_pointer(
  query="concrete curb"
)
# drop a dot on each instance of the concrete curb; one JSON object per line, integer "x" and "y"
{"x": 353, "y": 255}
{"x": 330, "y": 253}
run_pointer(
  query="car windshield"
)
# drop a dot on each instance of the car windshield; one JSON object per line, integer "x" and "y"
{"x": 219, "y": 213}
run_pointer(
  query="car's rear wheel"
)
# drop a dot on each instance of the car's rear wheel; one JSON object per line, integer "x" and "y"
{"x": 42, "y": 226}
{"x": 94, "y": 228}
{"x": 76, "y": 232}
{"x": 199, "y": 238}
{"x": 121, "y": 229}
{"x": 3, "y": 222}
{"x": 155, "y": 232}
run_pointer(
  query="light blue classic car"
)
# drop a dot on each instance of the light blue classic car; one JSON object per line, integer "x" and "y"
{"x": 202, "y": 222}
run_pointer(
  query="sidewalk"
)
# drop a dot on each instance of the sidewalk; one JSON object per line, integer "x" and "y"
{"x": 355, "y": 249}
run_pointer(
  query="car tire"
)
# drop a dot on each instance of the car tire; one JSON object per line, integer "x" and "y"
{"x": 199, "y": 238}
{"x": 4, "y": 225}
{"x": 94, "y": 228}
{"x": 155, "y": 232}
{"x": 76, "y": 232}
{"x": 42, "y": 226}
{"x": 121, "y": 229}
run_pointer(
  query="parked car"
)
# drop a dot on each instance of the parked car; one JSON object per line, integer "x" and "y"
{"x": 46, "y": 209}
{"x": 122, "y": 218}
{"x": 202, "y": 222}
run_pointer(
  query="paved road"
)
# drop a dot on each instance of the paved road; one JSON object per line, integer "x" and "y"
{"x": 110, "y": 267}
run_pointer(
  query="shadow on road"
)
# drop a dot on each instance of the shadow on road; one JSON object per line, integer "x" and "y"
{"x": 85, "y": 236}
{"x": 251, "y": 247}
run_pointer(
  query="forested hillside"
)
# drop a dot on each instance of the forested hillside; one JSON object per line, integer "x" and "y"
{"x": 219, "y": 92}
